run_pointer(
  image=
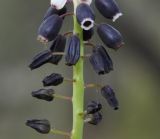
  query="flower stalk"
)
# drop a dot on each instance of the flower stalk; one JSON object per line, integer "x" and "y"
{"x": 76, "y": 41}
{"x": 78, "y": 86}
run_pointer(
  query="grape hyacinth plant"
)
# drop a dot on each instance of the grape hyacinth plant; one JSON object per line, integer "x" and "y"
{"x": 71, "y": 45}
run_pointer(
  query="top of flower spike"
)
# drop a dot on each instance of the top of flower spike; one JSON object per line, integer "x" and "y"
{"x": 58, "y": 4}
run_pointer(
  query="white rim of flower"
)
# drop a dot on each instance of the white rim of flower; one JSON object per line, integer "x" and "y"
{"x": 58, "y": 4}
{"x": 115, "y": 17}
{"x": 87, "y": 27}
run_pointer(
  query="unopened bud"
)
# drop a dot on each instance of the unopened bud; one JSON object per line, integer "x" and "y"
{"x": 53, "y": 80}
{"x": 40, "y": 59}
{"x": 108, "y": 93}
{"x": 93, "y": 107}
{"x": 44, "y": 94}
{"x": 41, "y": 126}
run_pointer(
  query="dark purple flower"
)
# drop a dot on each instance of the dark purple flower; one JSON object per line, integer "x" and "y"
{"x": 108, "y": 93}
{"x": 52, "y": 10}
{"x": 96, "y": 118}
{"x": 85, "y": 16}
{"x": 40, "y": 59}
{"x": 49, "y": 28}
{"x": 100, "y": 60}
{"x": 73, "y": 51}
{"x": 93, "y": 107}
{"x": 87, "y": 34}
{"x": 41, "y": 126}
{"x": 44, "y": 94}
{"x": 111, "y": 37}
{"x": 53, "y": 80}
{"x": 108, "y": 8}
{"x": 58, "y": 45}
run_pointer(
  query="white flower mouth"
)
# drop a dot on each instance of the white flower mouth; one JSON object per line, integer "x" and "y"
{"x": 87, "y": 24}
{"x": 115, "y": 17}
{"x": 58, "y": 4}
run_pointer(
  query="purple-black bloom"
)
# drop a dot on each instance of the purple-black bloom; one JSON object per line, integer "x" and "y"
{"x": 93, "y": 107}
{"x": 41, "y": 126}
{"x": 53, "y": 80}
{"x": 73, "y": 51}
{"x": 108, "y": 93}
{"x": 44, "y": 94}
{"x": 40, "y": 59}
{"x": 108, "y": 8}
{"x": 85, "y": 16}
{"x": 96, "y": 118}
{"x": 52, "y": 10}
{"x": 58, "y": 45}
{"x": 87, "y": 34}
{"x": 100, "y": 60}
{"x": 49, "y": 28}
{"x": 111, "y": 37}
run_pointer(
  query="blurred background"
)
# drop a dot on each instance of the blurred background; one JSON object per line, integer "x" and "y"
{"x": 135, "y": 79}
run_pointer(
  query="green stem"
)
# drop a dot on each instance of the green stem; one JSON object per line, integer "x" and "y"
{"x": 59, "y": 132}
{"x": 78, "y": 86}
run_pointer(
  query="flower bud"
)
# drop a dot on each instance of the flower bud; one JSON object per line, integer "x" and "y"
{"x": 101, "y": 61}
{"x": 58, "y": 4}
{"x": 58, "y": 45}
{"x": 96, "y": 118}
{"x": 86, "y": 1}
{"x": 93, "y": 107}
{"x": 108, "y": 8}
{"x": 52, "y": 10}
{"x": 41, "y": 126}
{"x": 53, "y": 80}
{"x": 73, "y": 51}
{"x": 87, "y": 34}
{"x": 49, "y": 28}
{"x": 40, "y": 59}
{"x": 85, "y": 16}
{"x": 110, "y": 36}
{"x": 44, "y": 94}
{"x": 108, "y": 93}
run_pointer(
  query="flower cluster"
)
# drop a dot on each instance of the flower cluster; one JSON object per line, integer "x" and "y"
{"x": 70, "y": 45}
